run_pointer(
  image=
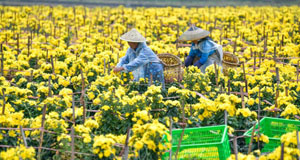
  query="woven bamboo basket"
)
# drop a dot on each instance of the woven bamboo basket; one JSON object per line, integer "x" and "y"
{"x": 173, "y": 70}
{"x": 229, "y": 61}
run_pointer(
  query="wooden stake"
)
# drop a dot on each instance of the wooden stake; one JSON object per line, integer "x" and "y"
{"x": 276, "y": 97}
{"x": 170, "y": 130}
{"x": 2, "y": 60}
{"x": 82, "y": 95}
{"x": 221, "y": 37}
{"x": 234, "y": 47}
{"x": 277, "y": 77}
{"x": 47, "y": 56}
{"x": 244, "y": 72}
{"x": 72, "y": 143}
{"x": 225, "y": 117}
{"x": 275, "y": 59}
{"x": 264, "y": 32}
{"x": 76, "y": 32}
{"x": 118, "y": 57}
{"x": 52, "y": 64}
{"x": 179, "y": 143}
{"x": 73, "y": 108}
{"x": 182, "y": 133}
{"x": 258, "y": 118}
{"x": 216, "y": 73}
{"x": 28, "y": 46}
{"x": 104, "y": 66}
{"x": 286, "y": 91}
{"x": 54, "y": 32}
{"x": 42, "y": 132}
{"x": 151, "y": 79}
{"x": 31, "y": 37}
{"x": 49, "y": 87}
{"x": 228, "y": 87}
{"x": 298, "y": 143}
{"x": 235, "y": 148}
{"x": 23, "y": 136}
{"x": 18, "y": 44}
{"x": 126, "y": 148}
{"x": 6, "y": 39}
{"x": 282, "y": 41}
{"x": 245, "y": 78}
{"x": 242, "y": 96}
{"x": 266, "y": 43}
{"x": 282, "y": 152}
{"x": 4, "y": 102}
{"x": 108, "y": 68}
{"x": 177, "y": 35}
{"x": 254, "y": 65}
{"x": 68, "y": 31}
{"x": 246, "y": 85}
{"x": 297, "y": 72}
{"x": 31, "y": 76}
{"x": 158, "y": 34}
{"x": 259, "y": 60}
{"x": 251, "y": 140}
{"x": 145, "y": 30}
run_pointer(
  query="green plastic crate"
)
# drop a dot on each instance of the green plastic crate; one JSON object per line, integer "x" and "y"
{"x": 201, "y": 143}
{"x": 274, "y": 128}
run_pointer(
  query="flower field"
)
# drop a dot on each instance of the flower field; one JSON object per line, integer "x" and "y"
{"x": 59, "y": 98}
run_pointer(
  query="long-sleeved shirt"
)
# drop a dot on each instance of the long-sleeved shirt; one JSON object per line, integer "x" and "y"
{"x": 136, "y": 61}
{"x": 203, "y": 49}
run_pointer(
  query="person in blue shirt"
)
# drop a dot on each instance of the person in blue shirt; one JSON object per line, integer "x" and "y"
{"x": 204, "y": 51}
{"x": 140, "y": 59}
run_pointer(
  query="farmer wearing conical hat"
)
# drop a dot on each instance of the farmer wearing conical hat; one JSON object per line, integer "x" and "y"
{"x": 204, "y": 51}
{"x": 140, "y": 59}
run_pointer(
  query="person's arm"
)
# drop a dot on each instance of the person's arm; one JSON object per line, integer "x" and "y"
{"x": 123, "y": 60}
{"x": 190, "y": 58}
{"x": 206, "y": 50}
{"x": 204, "y": 57}
{"x": 139, "y": 61}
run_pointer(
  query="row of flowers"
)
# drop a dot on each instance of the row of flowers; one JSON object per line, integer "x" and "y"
{"x": 60, "y": 53}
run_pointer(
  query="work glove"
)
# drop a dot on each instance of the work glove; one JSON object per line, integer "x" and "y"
{"x": 198, "y": 64}
{"x": 188, "y": 61}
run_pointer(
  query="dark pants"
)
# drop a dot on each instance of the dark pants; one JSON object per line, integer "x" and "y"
{"x": 157, "y": 71}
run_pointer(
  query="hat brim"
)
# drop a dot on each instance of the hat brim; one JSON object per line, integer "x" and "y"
{"x": 131, "y": 40}
{"x": 133, "y": 36}
{"x": 193, "y": 35}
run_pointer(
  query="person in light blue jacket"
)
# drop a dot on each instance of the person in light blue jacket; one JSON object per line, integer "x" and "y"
{"x": 204, "y": 51}
{"x": 140, "y": 59}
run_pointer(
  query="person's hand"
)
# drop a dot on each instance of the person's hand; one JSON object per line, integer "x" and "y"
{"x": 118, "y": 69}
{"x": 188, "y": 61}
{"x": 198, "y": 64}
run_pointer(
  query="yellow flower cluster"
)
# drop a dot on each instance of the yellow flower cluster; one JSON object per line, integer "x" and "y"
{"x": 19, "y": 152}
{"x": 149, "y": 135}
{"x": 103, "y": 146}
{"x": 11, "y": 119}
{"x": 245, "y": 112}
{"x": 290, "y": 148}
{"x": 262, "y": 138}
{"x": 205, "y": 108}
{"x": 141, "y": 117}
{"x": 69, "y": 113}
{"x": 227, "y": 102}
{"x": 290, "y": 111}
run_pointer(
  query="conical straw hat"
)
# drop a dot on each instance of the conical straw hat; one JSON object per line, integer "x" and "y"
{"x": 193, "y": 33}
{"x": 133, "y": 36}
